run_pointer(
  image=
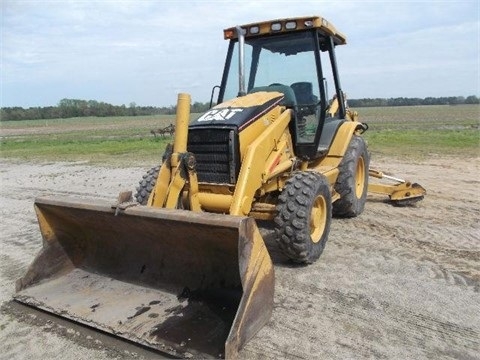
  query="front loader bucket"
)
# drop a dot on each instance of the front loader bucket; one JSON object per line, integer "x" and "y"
{"x": 185, "y": 283}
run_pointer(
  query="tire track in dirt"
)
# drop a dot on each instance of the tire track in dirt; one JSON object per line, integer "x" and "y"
{"x": 359, "y": 323}
{"x": 431, "y": 246}
{"x": 378, "y": 321}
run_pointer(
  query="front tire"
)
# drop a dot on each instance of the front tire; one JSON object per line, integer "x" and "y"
{"x": 304, "y": 214}
{"x": 146, "y": 185}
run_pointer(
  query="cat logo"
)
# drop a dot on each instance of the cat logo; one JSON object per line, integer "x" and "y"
{"x": 219, "y": 114}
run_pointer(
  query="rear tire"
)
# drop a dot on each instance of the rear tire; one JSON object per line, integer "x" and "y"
{"x": 304, "y": 213}
{"x": 146, "y": 185}
{"x": 352, "y": 181}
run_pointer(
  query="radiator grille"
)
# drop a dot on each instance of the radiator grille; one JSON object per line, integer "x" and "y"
{"x": 217, "y": 154}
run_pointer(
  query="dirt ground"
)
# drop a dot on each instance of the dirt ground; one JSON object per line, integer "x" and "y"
{"x": 394, "y": 283}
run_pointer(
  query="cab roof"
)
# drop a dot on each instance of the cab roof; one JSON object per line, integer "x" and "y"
{"x": 280, "y": 26}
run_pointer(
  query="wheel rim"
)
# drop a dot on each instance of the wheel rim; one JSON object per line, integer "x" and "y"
{"x": 360, "y": 177}
{"x": 318, "y": 218}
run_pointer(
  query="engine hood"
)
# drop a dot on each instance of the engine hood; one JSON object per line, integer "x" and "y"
{"x": 239, "y": 112}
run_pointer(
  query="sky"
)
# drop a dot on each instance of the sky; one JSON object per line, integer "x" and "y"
{"x": 146, "y": 52}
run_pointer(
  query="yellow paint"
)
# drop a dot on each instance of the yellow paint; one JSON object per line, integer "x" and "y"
{"x": 181, "y": 123}
{"x": 254, "y": 130}
{"x": 253, "y": 164}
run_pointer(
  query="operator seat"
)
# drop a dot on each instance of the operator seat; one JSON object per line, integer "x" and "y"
{"x": 289, "y": 100}
{"x": 304, "y": 93}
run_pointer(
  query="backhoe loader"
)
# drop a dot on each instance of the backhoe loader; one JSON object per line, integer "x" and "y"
{"x": 182, "y": 267}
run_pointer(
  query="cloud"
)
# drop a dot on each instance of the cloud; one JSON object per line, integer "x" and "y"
{"x": 144, "y": 51}
{"x": 423, "y": 62}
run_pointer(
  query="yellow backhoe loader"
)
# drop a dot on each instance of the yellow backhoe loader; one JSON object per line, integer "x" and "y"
{"x": 182, "y": 267}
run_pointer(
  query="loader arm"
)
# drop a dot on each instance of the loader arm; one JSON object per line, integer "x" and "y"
{"x": 178, "y": 170}
{"x": 253, "y": 165}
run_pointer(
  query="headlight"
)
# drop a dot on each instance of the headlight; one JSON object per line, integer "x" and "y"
{"x": 276, "y": 27}
{"x": 291, "y": 25}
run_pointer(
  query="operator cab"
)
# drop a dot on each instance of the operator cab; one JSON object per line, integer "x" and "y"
{"x": 286, "y": 56}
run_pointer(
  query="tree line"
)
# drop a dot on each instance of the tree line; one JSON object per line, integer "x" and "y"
{"x": 70, "y": 108}
{"x": 403, "y": 101}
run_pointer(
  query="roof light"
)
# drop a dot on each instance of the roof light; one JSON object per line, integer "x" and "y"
{"x": 229, "y": 34}
{"x": 308, "y": 23}
{"x": 291, "y": 25}
{"x": 276, "y": 27}
{"x": 254, "y": 30}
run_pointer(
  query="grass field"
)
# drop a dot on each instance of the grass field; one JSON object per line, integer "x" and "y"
{"x": 420, "y": 131}
{"x": 412, "y": 131}
{"x": 111, "y": 140}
